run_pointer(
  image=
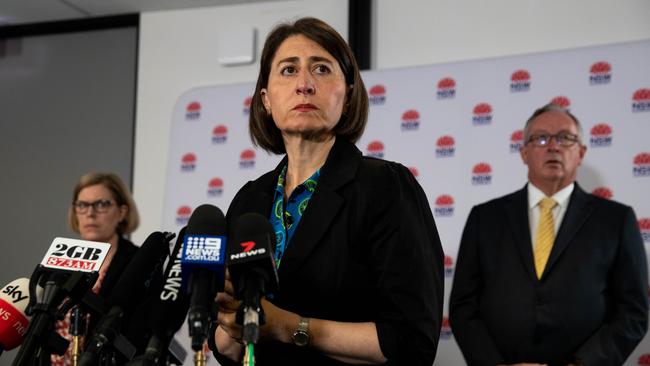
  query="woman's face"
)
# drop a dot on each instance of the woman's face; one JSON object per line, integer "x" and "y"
{"x": 306, "y": 89}
{"x": 98, "y": 222}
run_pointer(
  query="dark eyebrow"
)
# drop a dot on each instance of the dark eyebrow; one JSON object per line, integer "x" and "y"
{"x": 312, "y": 59}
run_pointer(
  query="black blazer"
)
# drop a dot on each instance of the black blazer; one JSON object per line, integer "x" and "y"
{"x": 366, "y": 249}
{"x": 591, "y": 303}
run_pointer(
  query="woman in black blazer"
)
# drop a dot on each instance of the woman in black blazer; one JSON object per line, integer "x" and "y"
{"x": 102, "y": 210}
{"x": 359, "y": 258}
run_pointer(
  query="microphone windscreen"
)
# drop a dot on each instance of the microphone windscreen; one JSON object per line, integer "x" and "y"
{"x": 14, "y": 298}
{"x": 207, "y": 220}
{"x": 250, "y": 250}
{"x": 174, "y": 258}
{"x": 204, "y": 248}
{"x": 139, "y": 273}
{"x": 170, "y": 308}
{"x": 250, "y": 225}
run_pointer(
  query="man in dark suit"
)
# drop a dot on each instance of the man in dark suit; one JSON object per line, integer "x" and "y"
{"x": 550, "y": 274}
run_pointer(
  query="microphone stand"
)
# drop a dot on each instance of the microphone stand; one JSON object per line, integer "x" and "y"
{"x": 77, "y": 329}
{"x": 199, "y": 315}
{"x": 41, "y": 339}
{"x": 200, "y": 358}
{"x": 160, "y": 351}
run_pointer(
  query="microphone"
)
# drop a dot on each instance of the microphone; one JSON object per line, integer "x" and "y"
{"x": 202, "y": 268}
{"x": 68, "y": 270}
{"x": 14, "y": 298}
{"x": 168, "y": 311}
{"x": 134, "y": 281}
{"x": 252, "y": 269}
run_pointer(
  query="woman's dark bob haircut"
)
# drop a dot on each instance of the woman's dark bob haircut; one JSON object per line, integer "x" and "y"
{"x": 263, "y": 131}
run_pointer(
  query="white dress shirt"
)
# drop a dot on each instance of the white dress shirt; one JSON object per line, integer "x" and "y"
{"x": 535, "y": 195}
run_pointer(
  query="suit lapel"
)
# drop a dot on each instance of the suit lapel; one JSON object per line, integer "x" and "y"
{"x": 340, "y": 168}
{"x": 261, "y": 199}
{"x": 261, "y": 194}
{"x": 520, "y": 228}
{"x": 576, "y": 215}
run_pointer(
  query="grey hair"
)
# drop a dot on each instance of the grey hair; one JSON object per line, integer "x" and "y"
{"x": 550, "y": 108}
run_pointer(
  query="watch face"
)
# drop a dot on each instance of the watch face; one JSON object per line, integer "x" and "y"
{"x": 300, "y": 338}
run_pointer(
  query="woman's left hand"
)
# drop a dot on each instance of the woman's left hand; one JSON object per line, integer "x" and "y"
{"x": 276, "y": 320}
{"x": 228, "y": 306}
{"x": 347, "y": 342}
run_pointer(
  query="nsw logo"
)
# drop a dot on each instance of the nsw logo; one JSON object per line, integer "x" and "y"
{"x": 644, "y": 226}
{"x": 183, "y": 215}
{"x": 446, "y": 88}
{"x": 377, "y": 95}
{"x": 482, "y": 174}
{"x": 482, "y": 114}
{"x": 247, "y": 106}
{"x": 603, "y": 192}
{"x": 375, "y": 149}
{"x": 410, "y": 120}
{"x": 445, "y": 329}
{"x": 193, "y": 111}
{"x": 561, "y": 101}
{"x": 516, "y": 141}
{"x": 449, "y": 266}
{"x": 642, "y": 165}
{"x": 600, "y": 73}
{"x": 601, "y": 135}
{"x": 520, "y": 81}
{"x": 188, "y": 162}
{"x": 215, "y": 187}
{"x": 219, "y": 134}
{"x": 200, "y": 248}
{"x": 644, "y": 360}
{"x": 445, "y": 147}
{"x": 414, "y": 171}
{"x": 444, "y": 206}
{"x": 247, "y": 159}
{"x": 641, "y": 100}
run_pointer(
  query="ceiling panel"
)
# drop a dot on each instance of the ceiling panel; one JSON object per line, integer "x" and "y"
{"x": 32, "y": 11}
{"x": 14, "y": 12}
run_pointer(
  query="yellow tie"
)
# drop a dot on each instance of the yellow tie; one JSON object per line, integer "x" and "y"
{"x": 545, "y": 235}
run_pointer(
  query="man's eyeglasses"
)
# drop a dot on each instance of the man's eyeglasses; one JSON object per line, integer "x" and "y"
{"x": 99, "y": 206}
{"x": 564, "y": 139}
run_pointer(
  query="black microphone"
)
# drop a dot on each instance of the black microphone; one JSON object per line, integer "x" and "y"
{"x": 133, "y": 282}
{"x": 252, "y": 269}
{"x": 167, "y": 312}
{"x": 202, "y": 268}
{"x": 66, "y": 274}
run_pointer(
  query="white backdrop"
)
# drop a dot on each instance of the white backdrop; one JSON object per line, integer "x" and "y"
{"x": 458, "y": 126}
